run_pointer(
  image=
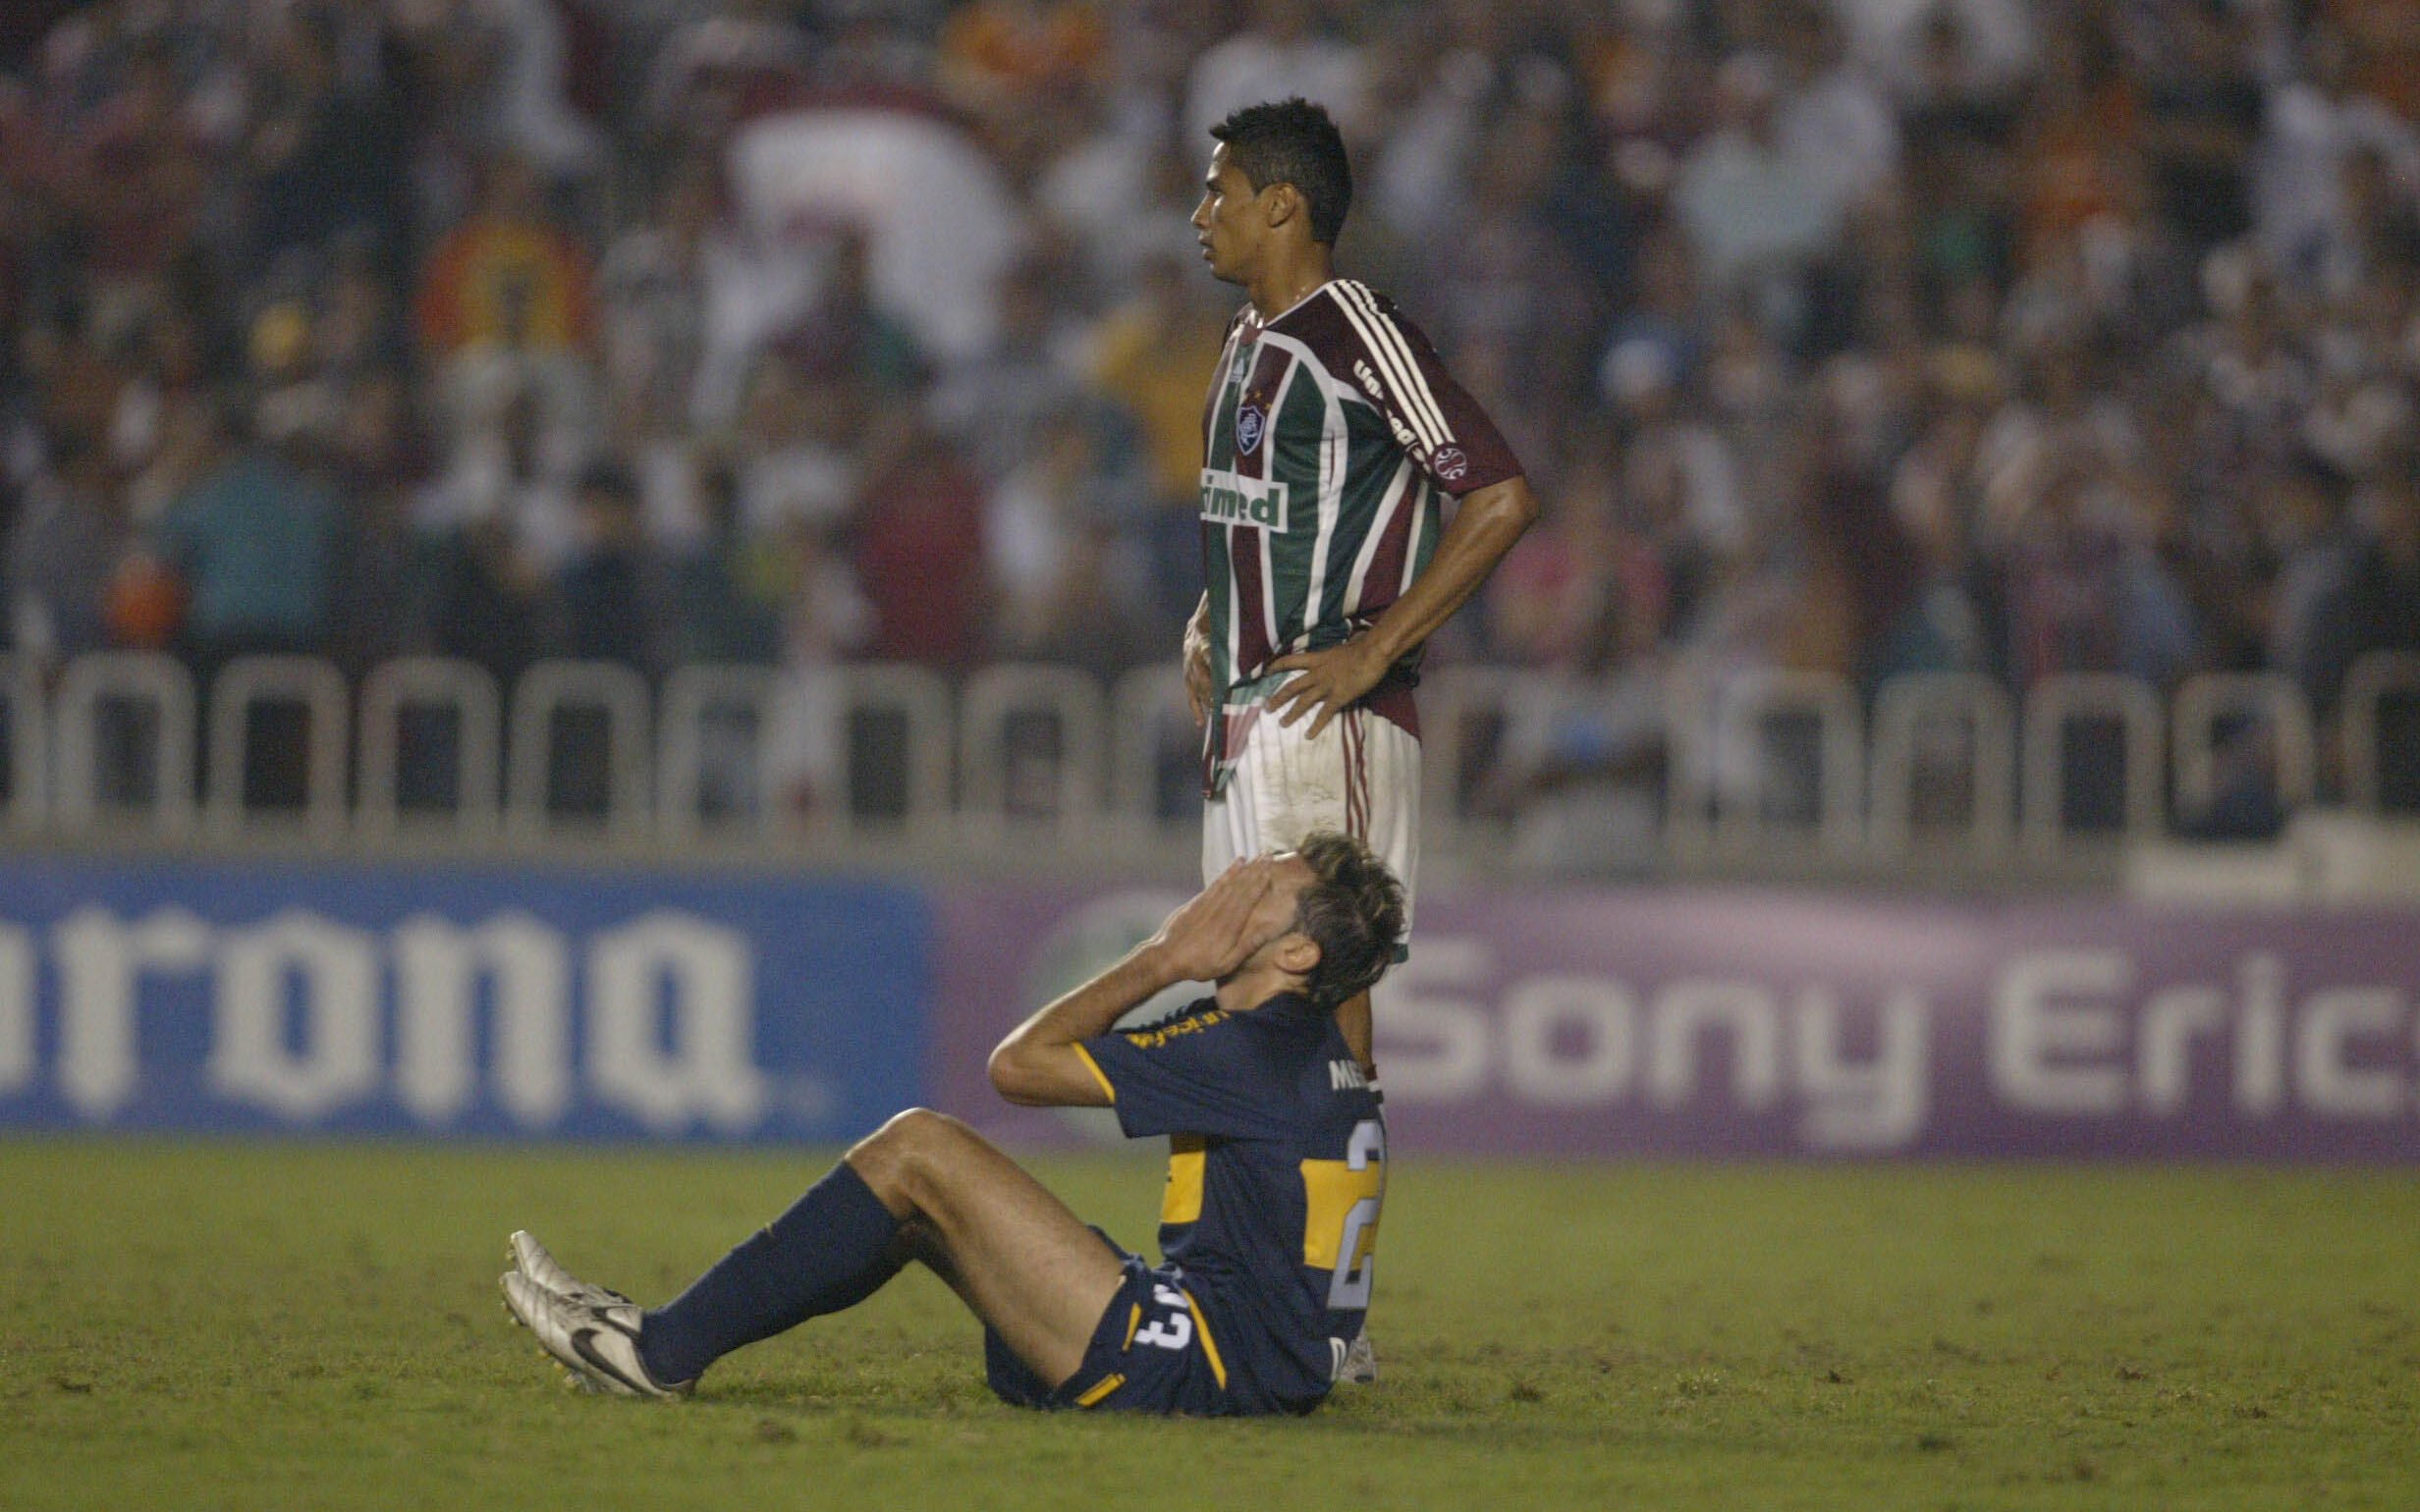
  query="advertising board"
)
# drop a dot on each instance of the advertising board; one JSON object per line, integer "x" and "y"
{"x": 1612, "y": 1021}
{"x": 508, "y": 1002}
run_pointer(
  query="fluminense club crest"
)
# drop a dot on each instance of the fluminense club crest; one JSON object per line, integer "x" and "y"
{"x": 1252, "y": 422}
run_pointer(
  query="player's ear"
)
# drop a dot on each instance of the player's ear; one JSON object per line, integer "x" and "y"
{"x": 1298, "y": 955}
{"x": 1284, "y": 204}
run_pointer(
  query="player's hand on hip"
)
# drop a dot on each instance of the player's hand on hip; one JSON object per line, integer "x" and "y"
{"x": 1331, "y": 682}
{"x": 1217, "y": 931}
{"x": 1199, "y": 695}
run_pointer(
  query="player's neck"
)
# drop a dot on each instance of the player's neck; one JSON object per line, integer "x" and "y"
{"x": 1253, "y": 987}
{"x": 1288, "y": 281}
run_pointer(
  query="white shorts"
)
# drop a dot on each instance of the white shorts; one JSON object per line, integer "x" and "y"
{"x": 1361, "y": 776}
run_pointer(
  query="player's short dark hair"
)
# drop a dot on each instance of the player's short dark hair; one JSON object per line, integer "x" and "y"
{"x": 1292, "y": 141}
{"x": 1353, "y": 912}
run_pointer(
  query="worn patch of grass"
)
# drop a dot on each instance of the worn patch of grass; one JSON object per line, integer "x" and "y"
{"x": 248, "y": 1326}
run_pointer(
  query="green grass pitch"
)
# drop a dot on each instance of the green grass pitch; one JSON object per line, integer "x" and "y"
{"x": 261, "y": 1326}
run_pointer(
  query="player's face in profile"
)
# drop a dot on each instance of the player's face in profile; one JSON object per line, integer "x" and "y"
{"x": 1225, "y": 222}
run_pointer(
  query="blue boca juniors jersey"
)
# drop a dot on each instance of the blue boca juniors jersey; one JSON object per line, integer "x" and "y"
{"x": 1276, "y": 1172}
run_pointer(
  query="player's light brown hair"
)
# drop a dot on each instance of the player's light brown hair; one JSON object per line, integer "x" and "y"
{"x": 1353, "y": 912}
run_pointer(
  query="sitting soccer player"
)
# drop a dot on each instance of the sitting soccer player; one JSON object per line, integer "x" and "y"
{"x": 1275, "y": 1174}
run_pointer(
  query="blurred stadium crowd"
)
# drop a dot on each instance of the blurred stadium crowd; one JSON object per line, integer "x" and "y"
{"x": 1860, "y": 336}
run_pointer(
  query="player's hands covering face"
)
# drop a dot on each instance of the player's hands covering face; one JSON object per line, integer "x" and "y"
{"x": 1211, "y": 937}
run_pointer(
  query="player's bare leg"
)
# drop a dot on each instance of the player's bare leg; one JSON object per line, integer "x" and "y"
{"x": 922, "y": 1187}
{"x": 1012, "y": 1250}
{"x": 1353, "y": 1021}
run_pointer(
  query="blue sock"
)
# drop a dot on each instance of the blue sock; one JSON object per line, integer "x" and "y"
{"x": 832, "y": 1250}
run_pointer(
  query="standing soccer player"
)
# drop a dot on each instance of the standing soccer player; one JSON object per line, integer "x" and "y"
{"x": 1332, "y": 436}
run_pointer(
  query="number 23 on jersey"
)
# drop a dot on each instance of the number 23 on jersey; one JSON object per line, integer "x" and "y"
{"x": 1340, "y": 1233}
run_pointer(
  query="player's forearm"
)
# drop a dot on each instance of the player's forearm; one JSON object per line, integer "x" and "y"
{"x": 1034, "y": 1065}
{"x": 1100, "y": 1002}
{"x": 1483, "y": 530}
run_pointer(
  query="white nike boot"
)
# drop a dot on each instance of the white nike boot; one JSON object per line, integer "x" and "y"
{"x": 531, "y": 1259}
{"x": 598, "y": 1345}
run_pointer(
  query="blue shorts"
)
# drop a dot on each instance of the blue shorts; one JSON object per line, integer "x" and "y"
{"x": 1151, "y": 1352}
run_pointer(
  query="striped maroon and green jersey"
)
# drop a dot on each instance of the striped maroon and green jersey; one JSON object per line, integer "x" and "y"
{"x": 1331, "y": 434}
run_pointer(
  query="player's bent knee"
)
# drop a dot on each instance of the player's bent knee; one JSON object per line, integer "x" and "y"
{"x": 923, "y": 1128}
{"x": 909, "y": 1155}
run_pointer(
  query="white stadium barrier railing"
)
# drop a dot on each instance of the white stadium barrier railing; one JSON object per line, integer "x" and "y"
{"x": 1746, "y": 704}
{"x": 2276, "y": 714}
{"x": 2054, "y": 705}
{"x": 249, "y": 683}
{"x": 1451, "y": 698}
{"x": 1146, "y": 708}
{"x": 994, "y": 698}
{"x": 551, "y": 689}
{"x": 921, "y": 702}
{"x": 28, "y": 737}
{"x": 1905, "y": 709}
{"x": 2372, "y": 682}
{"x": 692, "y": 696}
{"x": 131, "y": 679}
{"x": 1690, "y": 774}
{"x": 696, "y": 773}
{"x": 431, "y": 682}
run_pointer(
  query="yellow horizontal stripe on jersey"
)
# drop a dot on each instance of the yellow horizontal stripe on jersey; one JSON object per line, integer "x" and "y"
{"x": 1180, "y": 1202}
{"x": 1209, "y": 1345}
{"x": 1098, "y": 1075}
{"x": 1099, "y": 1389}
{"x": 1330, "y": 1189}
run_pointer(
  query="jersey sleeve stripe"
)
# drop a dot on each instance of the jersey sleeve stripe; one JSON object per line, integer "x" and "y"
{"x": 1385, "y": 356}
{"x": 1421, "y": 393}
{"x": 1416, "y": 394}
{"x": 1100, "y": 1391}
{"x": 1416, "y": 384}
{"x": 1098, "y": 1075}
